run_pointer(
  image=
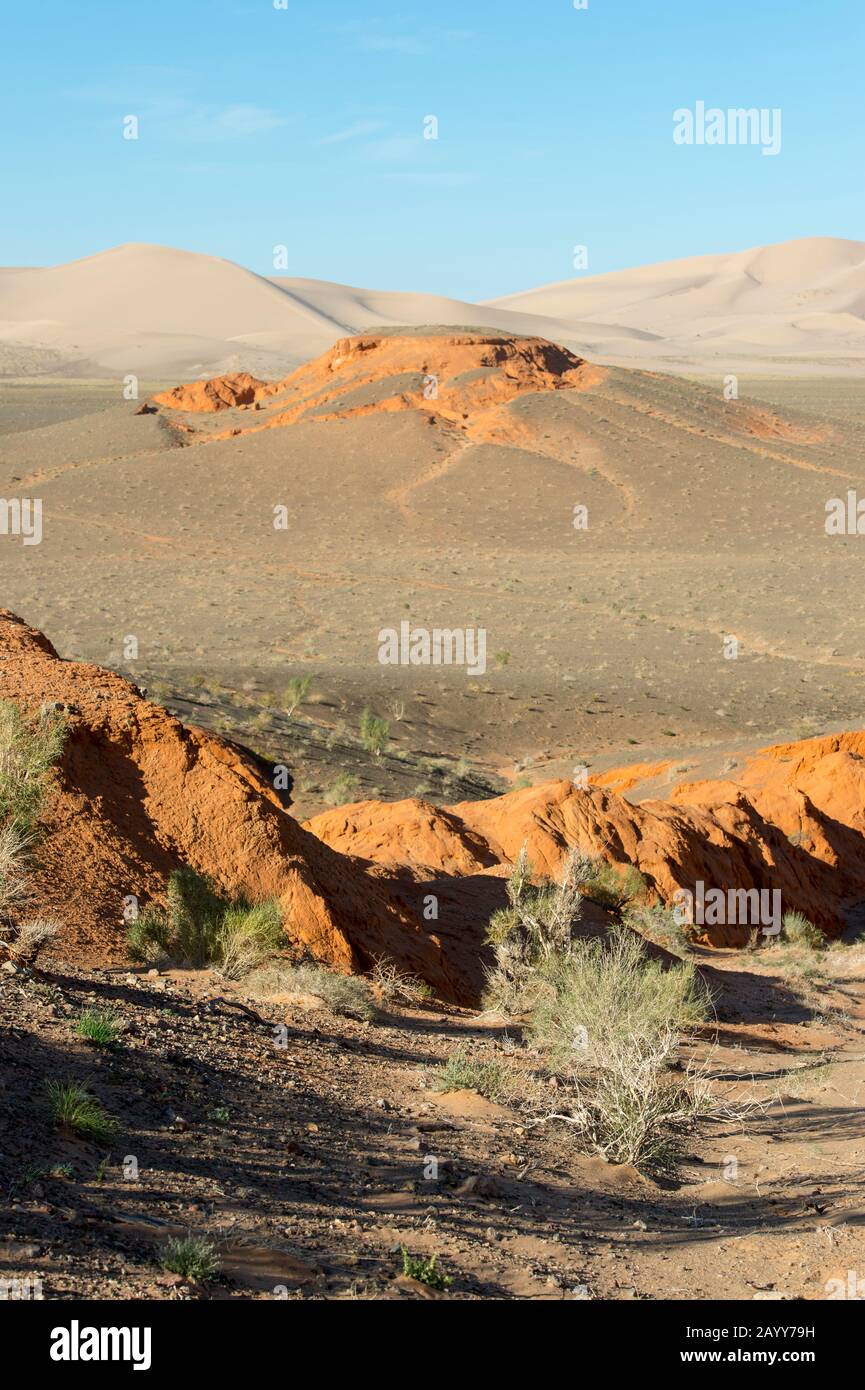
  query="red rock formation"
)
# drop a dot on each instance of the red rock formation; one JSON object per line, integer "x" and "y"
{"x": 795, "y": 821}
{"x": 140, "y": 794}
{"x": 219, "y": 393}
{"x": 461, "y": 379}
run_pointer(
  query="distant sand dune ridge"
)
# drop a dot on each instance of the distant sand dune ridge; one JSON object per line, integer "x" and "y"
{"x": 793, "y": 308}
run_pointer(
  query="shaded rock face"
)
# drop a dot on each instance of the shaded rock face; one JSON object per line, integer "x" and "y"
{"x": 139, "y": 794}
{"x": 455, "y": 378}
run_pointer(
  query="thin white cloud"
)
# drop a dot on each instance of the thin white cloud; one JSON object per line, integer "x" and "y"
{"x": 352, "y": 132}
{"x": 147, "y": 93}
{"x": 247, "y": 120}
{"x": 391, "y": 43}
{"x": 395, "y": 149}
{"x": 430, "y": 178}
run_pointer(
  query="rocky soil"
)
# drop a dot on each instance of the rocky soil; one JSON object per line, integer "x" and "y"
{"x": 309, "y": 1148}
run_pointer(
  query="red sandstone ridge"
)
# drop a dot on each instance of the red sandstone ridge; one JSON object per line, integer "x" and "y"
{"x": 219, "y": 393}
{"x": 793, "y": 821}
{"x": 139, "y": 794}
{"x": 458, "y": 378}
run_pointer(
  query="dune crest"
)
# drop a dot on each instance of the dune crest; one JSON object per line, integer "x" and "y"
{"x": 790, "y": 308}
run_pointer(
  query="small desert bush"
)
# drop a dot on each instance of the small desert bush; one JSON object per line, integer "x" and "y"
{"x": 192, "y": 1257}
{"x": 799, "y": 931}
{"x": 348, "y": 995}
{"x": 424, "y": 1270}
{"x": 76, "y": 1111}
{"x": 800, "y": 966}
{"x": 14, "y": 847}
{"x": 633, "y": 1111}
{"x": 610, "y": 1026}
{"x": 374, "y": 733}
{"x": 612, "y": 885}
{"x": 536, "y": 927}
{"x": 195, "y": 911}
{"x": 32, "y": 935}
{"x": 295, "y": 693}
{"x": 247, "y": 936}
{"x": 341, "y": 789}
{"x": 100, "y": 1027}
{"x": 29, "y": 748}
{"x": 609, "y": 994}
{"x": 148, "y": 938}
{"x": 199, "y": 928}
{"x": 463, "y": 1072}
{"x": 395, "y": 987}
{"x": 659, "y": 925}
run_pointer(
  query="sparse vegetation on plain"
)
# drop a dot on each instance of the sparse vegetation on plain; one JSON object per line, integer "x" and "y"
{"x": 75, "y": 1110}
{"x": 374, "y": 733}
{"x": 342, "y": 789}
{"x": 192, "y": 1257}
{"x": 100, "y": 1027}
{"x": 296, "y": 692}
{"x": 465, "y": 1072}
{"x": 343, "y": 994}
{"x": 424, "y": 1270}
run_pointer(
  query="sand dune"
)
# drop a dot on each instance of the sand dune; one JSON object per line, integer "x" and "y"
{"x": 797, "y": 303}
{"x": 153, "y": 309}
{"x": 162, "y": 312}
{"x": 794, "y": 307}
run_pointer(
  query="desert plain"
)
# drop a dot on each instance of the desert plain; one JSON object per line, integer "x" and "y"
{"x": 624, "y": 483}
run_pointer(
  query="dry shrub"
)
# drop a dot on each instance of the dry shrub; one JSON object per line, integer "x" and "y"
{"x": 535, "y": 928}
{"x": 610, "y": 1025}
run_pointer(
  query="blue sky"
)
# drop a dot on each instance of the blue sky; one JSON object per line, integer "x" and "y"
{"x": 303, "y": 127}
